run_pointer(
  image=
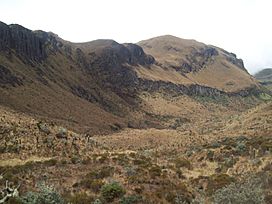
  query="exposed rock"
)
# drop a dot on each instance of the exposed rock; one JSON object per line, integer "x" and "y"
{"x": 197, "y": 60}
{"x": 192, "y": 90}
{"x": 137, "y": 55}
{"x": 231, "y": 57}
{"x": 29, "y": 44}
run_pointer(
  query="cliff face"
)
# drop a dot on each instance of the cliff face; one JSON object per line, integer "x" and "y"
{"x": 25, "y": 42}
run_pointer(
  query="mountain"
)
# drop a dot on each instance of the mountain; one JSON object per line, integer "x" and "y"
{"x": 265, "y": 77}
{"x": 193, "y": 62}
{"x": 99, "y": 86}
{"x": 166, "y": 120}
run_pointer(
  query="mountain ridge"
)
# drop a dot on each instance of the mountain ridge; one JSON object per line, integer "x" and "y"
{"x": 98, "y": 85}
{"x": 265, "y": 77}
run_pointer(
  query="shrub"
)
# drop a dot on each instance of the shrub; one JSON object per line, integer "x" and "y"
{"x": 240, "y": 147}
{"x": 249, "y": 191}
{"x": 111, "y": 191}
{"x": 46, "y": 195}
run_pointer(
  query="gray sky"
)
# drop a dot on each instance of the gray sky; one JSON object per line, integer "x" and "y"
{"x": 239, "y": 26}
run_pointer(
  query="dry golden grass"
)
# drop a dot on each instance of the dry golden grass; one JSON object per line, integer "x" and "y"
{"x": 141, "y": 158}
{"x": 170, "y": 51}
{"x": 156, "y": 73}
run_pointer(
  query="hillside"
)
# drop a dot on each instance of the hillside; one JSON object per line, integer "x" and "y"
{"x": 191, "y": 62}
{"x": 97, "y": 86}
{"x": 166, "y": 120}
{"x": 265, "y": 77}
{"x": 149, "y": 165}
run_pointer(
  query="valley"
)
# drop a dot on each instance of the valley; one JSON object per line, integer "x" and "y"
{"x": 166, "y": 120}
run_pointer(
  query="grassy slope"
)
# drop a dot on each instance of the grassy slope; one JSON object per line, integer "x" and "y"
{"x": 151, "y": 163}
{"x": 172, "y": 51}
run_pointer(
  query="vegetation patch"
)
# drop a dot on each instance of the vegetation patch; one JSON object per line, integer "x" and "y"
{"x": 111, "y": 191}
{"x": 217, "y": 181}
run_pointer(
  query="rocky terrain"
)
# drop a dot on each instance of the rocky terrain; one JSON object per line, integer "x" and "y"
{"x": 166, "y": 120}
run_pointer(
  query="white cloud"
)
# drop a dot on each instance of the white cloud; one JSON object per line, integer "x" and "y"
{"x": 239, "y": 26}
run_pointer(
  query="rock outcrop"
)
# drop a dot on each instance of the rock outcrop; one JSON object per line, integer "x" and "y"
{"x": 31, "y": 45}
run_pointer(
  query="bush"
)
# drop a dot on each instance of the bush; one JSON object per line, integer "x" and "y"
{"x": 46, "y": 195}
{"x": 249, "y": 191}
{"x": 111, "y": 191}
{"x": 240, "y": 147}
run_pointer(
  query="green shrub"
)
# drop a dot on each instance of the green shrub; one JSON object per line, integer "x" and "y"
{"x": 240, "y": 147}
{"x": 46, "y": 195}
{"x": 111, "y": 191}
{"x": 249, "y": 191}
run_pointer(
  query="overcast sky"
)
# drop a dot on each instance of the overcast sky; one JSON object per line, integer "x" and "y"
{"x": 240, "y": 26}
